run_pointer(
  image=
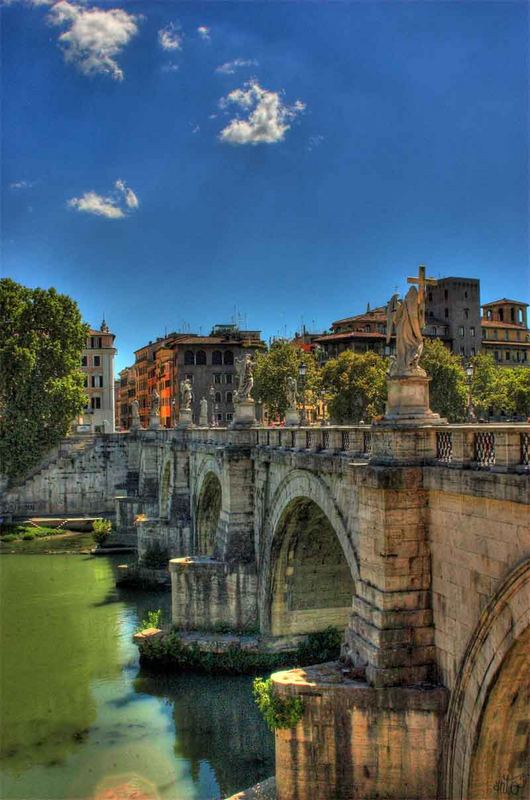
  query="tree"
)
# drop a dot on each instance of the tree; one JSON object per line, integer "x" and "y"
{"x": 500, "y": 390}
{"x": 448, "y": 387}
{"x": 280, "y": 362}
{"x": 356, "y": 383}
{"x": 41, "y": 386}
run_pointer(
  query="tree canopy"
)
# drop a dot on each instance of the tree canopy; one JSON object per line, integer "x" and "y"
{"x": 499, "y": 390}
{"x": 41, "y": 386}
{"x": 356, "y": 383}
{"x": 448, "y": 387}
{"x": 272, "y": 370}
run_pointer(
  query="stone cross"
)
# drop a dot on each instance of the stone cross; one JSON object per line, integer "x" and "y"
{"x": 422, "y": 282}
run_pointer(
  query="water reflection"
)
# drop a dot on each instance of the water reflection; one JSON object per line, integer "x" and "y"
{"x": 79, "y": 720}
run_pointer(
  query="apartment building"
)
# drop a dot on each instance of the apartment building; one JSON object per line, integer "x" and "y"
{"x": 97, "y": 365}
{"x": 505, "y": 332}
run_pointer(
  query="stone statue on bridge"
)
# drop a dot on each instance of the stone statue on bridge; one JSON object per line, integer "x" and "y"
{"x": 154, "y": 412}
{"x": 407, "y": 382}
{"x": 135, "y": 415}
{"x": 186, "y": 395}
{"x": 292, "y": 417}
{"x": 245, "y": 377}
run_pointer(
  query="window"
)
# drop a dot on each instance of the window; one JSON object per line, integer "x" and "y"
{"x": 217, "y": 377}
{"x": 200, "y": 358}
{"x": 219, "y": 417}
{"x": 218, "y": 397}
{"x": 446, "y": 294}
{"x": 507, "y": 335}
{"x": 85, "y": 381}
{"x": 228, "y": 377}
{"x": 95, "y": 402}
{"x": 472, "y": 330}
{"x": 167, "y": 384}
{"x": 95, "y": 342}
{"x": 507, "y": 355}
{"x": 520, "y": 315}
{"x": 501, "y": 314}
{"x": 518, "y": 336}
{"x": 217, "y": 357}
{"x": 97, "y": 381}
{"x": 229, "y": 416}
{"x": 472, "y": 351}
{"x": 465, "y": 295}
{"x": 446, "y": 312}
{"x": 229, "y": 397}
{"x": 84, "y": 361}
{"x": 462, "y": 351}
{"x": 461, "y": 330}
{"x": 430, "y": 297}
{"x": 512, "y": 314}
{"x": 189, "y": 358}
{"x": 97, "y": 361}
{"x": 228, "y": 357}
{"x": 466, "y": 313}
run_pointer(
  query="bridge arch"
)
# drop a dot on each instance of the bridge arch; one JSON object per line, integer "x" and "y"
{"x": 308, "y": 561}
{"x": 207, "y": 506}
{"x": 487, "y": 726}
{"x": 167, "y": 481}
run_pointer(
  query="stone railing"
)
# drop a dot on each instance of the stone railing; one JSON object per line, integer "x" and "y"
{"x": 500, "y": 448}
{"x": 497, "y": 447}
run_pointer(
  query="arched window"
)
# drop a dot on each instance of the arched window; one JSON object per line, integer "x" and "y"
{"x": 218, "y": 397}
{"x": 229, "y": 357}
{"x": 200, "y": 357}
{"x": 229, "y": 397}
{"x": 519, "y": 315}
{"x": 512, "y": 314}
{"x": 501, "y": 314}
{"x": 217, "y": 357}
{"x": 189, "y": 357}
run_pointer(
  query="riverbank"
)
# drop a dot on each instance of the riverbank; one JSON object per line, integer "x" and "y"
{"x": 49, "y": 544}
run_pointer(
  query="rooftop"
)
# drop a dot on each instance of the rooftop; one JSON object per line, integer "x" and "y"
{"x": 504, "y": 300}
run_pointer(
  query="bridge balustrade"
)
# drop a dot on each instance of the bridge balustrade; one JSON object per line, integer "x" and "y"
{"x": 499, "y": 448}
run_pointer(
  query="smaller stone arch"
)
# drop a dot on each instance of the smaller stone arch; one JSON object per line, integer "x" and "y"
{"x": 208, "y": 513}
{"x": 166, "y": 488}
{"x": 487, "y": 710}
{"x": 303, "y": 504}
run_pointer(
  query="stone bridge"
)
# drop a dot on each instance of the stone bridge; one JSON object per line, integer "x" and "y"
{"x": 415, "y": 542}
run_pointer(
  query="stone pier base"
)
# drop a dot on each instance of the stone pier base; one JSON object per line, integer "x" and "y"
{"x": 357, "y": 742}
{"x": 209, "y": 594}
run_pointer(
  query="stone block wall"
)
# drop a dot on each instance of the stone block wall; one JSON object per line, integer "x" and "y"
{"x": 479, "y": 528}
{"x": 208, "y": 594}
{"x": 75, "y": 480}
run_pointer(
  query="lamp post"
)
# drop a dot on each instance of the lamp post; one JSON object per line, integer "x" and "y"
{"x": 470, "y": 411}
{"x": 173, "y": 421}
{"x": 302, "y": 372}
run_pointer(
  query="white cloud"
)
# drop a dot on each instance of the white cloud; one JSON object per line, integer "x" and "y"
{"x": 18, "y": 185}
{"x": 314, "y": 141}
{"x": 268, "y": 117}
{"x": 170, "y": 37}
{"x": 230, "y": 67}
{"x": 171, "y": 67}
{"x": 114, "y": 206}
{"x": 204, "y": 32}
{"x": 94, "y": 36}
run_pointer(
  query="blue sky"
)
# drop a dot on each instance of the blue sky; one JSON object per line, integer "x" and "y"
{"x": 176, "y": 163}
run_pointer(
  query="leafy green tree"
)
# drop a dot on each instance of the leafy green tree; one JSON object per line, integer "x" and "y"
{"x": 272, "y": 370}
{"x": 356, "y": 383}
{"x": 41, "y": 386}
{"x": 518, "y": 389}
{"x": 490, "y": 387}
{"x": 448, "y": 387}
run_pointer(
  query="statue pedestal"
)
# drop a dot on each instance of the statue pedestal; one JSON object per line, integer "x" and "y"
{"x": 408, "y": 402}
{"x": 135, "y": 426}
{"x": 185, "y": 418}
{"x": 245, "y": 414}
{"x": 203, "y": 420}
{"x": 292, "y": 418}
{"x": 154, "y": 422}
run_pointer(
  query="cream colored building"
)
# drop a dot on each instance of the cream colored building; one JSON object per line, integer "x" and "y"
{"x": 97, "y": 364}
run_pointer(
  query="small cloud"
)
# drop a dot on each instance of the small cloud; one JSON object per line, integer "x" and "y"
{"x": 170, "y": 37}
{"x": 94, "y": 36}
{"x": 268, "y": 117}
{"x": 230, "y": 67}
{"x": 204, "y": 32}
{"x": 171, "y": 67}
{"x": 113, "y": 206}
{"x": 19, "y": 185}
{"x": 313, "y": 142}
{"x": 196, "y": 129}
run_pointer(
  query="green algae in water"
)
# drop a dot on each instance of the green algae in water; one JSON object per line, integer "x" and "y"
{"x": 77, "y": 713}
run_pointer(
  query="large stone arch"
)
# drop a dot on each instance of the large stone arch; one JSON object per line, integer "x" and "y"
{"x": 207, "y": 505}
{"x": 308, "y": 554}
{"x": 487, "y": 724}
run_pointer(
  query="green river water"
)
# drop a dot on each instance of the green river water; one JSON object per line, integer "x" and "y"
{"x": 78, "y": 717}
